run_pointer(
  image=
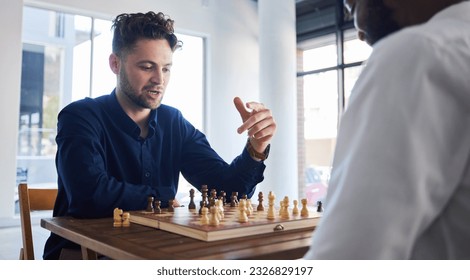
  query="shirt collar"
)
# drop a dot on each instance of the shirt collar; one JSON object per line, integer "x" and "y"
{"x": 126, "y": 123}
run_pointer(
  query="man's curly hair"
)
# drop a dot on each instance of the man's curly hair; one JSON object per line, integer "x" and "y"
{"x": 129, "y": 28}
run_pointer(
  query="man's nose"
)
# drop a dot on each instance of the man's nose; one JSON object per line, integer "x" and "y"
{"x": 157, "y": 77}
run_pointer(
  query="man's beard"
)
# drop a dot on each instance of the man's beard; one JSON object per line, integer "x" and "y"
{"x": 138, "y": 100}
{"x": 379, "y": 23}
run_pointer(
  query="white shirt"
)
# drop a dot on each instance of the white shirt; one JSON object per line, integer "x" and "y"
{"x": 400, "y": 184}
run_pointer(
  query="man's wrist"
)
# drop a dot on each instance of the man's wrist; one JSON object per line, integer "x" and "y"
{"x": 255, "y": 154}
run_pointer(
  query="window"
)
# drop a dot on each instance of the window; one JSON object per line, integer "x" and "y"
{"x": 324, "y": 87}
{"x": 65, "y": 58}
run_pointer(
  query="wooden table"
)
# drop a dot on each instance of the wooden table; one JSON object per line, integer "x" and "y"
{"x": 141, "y": 242}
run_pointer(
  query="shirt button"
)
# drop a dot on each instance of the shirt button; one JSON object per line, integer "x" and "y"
{"x": 147, "y": 174}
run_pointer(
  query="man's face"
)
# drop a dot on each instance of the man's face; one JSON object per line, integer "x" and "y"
{"x": 144, "y": 73}
{"x": 372, "y": 18}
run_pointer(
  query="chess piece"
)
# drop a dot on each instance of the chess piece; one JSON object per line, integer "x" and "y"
{"x": 260, "y": 202}
{"x": 204, "y": 215}
{"x": 171, "y": 207}
{"x": 242, "y": 217}
{"x": 220, "y": 205}
{"x": 319, "y": 206}
{"x": 117, "y": 217}
{"x": 304, "y": 210}
{"x": 157, "y": 209}
{"x": 191, "y": 205}
{"x": 214, "y": 193}
{"x": 295, "y": 210}
{"x": 203, "y": 204}
{"x": 149, "y": 204}
{"x": 249, "y": 207}
{"x": 271, "y": 197}
{"x": 212, "y": 201}
{"x": 126, "y": 222}
{"x": 223, "y": 197}
{"x": 234, "y": 199}
{"x": 204, "y": 194}
{"x": 214, "y": 219}
{"x": 285, "y": 208}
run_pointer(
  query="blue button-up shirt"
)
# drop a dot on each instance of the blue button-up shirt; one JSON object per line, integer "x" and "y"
{"x": 103, "y": 163}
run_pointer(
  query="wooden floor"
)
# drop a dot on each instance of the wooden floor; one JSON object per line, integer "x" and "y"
{"x": 10, "y": 239}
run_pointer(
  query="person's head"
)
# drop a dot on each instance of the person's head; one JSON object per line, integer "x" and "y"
{"x": 130, "y": 28}
{"x": 375, "y": 19}
{"x": 143, "y": 46}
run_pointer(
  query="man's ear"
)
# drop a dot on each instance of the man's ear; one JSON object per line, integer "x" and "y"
{"x": 114, "y": 63}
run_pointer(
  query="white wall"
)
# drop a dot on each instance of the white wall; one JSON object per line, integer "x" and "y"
{"x": 10, "y": 69}
{"x": 231, "y": 27}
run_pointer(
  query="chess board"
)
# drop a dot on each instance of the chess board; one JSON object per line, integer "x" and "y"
{"x": 187, "y": 222}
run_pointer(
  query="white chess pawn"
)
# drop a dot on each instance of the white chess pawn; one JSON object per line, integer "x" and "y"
{"x": 304, "y": 210}
{"x": 285, "y": 208}
{"x": 204, "y": 216}
{"x": 295, "y": 210}
{"x": 249, "y": 207}
{"x": 214, "y": 219}
{"x": 220, "y": 208}
{"x": 242, "y": 217}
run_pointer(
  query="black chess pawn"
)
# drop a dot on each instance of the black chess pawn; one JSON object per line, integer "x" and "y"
{"x": 149, "y": 204}
{"x": 260, "y": 202}
{"x": 157, "y": 209}
{"x": 202, "y": 204}
{"x": 319, "y": 206}
{"x": 214, "y": 193}
{"x": 191, "y": 205}
{"x": 223, "y": 197}
{"x": 234, "y": 199}
{"x": 212, "y": 201}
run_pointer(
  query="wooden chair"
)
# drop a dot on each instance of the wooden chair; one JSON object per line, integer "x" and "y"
{"x": 32, "y": 200}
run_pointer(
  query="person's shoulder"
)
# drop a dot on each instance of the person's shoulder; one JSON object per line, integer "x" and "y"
{"x": 78, "y": 105}
{"x": 169, "y": 111}
{"x": 434, "y": 36}
{"x": 402, "y": 48}
{"x": 86, "y": 104}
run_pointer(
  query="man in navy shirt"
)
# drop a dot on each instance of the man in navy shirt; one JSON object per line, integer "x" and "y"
{"x": 119, "y": 149}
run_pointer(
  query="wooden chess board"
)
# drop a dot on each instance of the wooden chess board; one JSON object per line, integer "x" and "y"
{"x": 187, "y": 222}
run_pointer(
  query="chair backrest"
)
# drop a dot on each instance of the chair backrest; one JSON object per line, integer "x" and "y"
{"x": 32, "y": 200}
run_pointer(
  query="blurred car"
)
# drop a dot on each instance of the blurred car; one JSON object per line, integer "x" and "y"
{"x": 315, "y": 186}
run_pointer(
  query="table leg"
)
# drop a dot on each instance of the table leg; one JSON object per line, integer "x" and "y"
{"x": 88, "y": 254}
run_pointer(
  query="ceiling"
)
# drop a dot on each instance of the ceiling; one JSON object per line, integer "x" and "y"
{"x": 317, "y": 17}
